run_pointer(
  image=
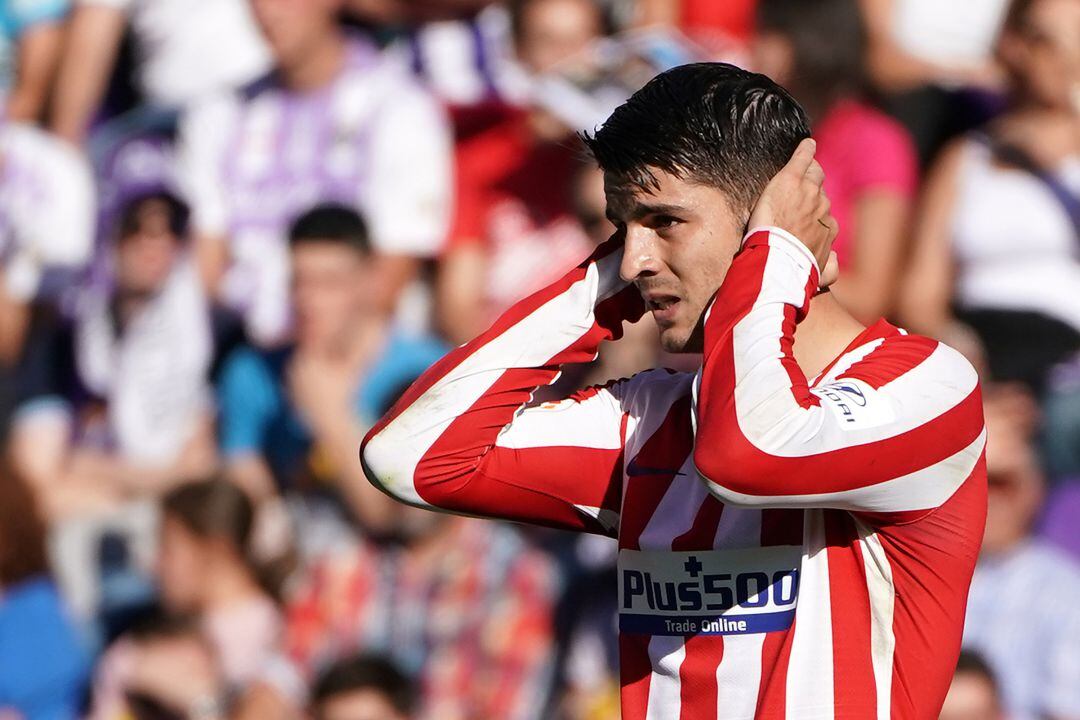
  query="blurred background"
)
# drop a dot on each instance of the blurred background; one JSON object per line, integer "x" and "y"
{"x": 232, "y": 232}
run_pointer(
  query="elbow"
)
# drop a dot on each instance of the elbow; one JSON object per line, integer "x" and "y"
{"x": 737, "y": 478}
{"x": 377, "y": 457}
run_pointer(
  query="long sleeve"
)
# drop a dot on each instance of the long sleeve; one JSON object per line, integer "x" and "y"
{"x": 465, "y": 439}
{"x": 896, "y": 432}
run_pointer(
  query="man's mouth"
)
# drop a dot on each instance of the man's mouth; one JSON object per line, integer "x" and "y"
{"x": 663, "y": 307}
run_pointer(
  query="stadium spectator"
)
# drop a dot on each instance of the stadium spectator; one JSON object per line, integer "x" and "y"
{"x": 115, "y": 403}
{"x": 43, "y": 665}
{"x": 182, "y": 53}
{"x": 336, "y": 121}
{"x": 995, "y": 246}
{"x": 164, "y": 668}
{"x": 725, "y": 29}
{"x": 464, "y": 605}
{"x": 363, "y": 688}
{"x": 973, "y": 694}
{"x": 815, "y": 49}
{"x": 46, "y": 225}
{"x": 205, "y": 572}
{"x": 31, "y": 37}
{"x": 514, "y": 228}
{"x": 935, "y": 63}
{"x": 291, "y": 418}
{"x": 1022, "y": 615}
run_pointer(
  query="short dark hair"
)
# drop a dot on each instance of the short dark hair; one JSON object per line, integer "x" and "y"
{"x": 331, "y": 222}
{"x": 972, "y": 663}
{"x": 366, "y": 672}
{"x": 177, "y": 209}
{"x": 828, "y": 44}
{"x": 710, "y": 123}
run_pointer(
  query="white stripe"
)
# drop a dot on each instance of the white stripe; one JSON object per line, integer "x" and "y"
{"x": 882, "y": 592}
{"x": 395, "y": 452}
{"x": 810, "y": 665}
{"x": 738, "y": 677}
{"x": 923, "y": 489}
{"x": 738, "y": 528}
{"x": 566, "y": 423}
{"x": 675, "y": 512}
{"x": 666, "y": 653}
{"x": 847, "y": 360}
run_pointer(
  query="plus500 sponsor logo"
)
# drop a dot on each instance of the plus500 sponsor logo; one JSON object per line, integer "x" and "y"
{"x": 713, "y": 592}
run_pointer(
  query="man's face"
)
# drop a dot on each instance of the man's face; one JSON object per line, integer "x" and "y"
{"x": 293, "y": 27}
{"x": 556, "y": 30}
{"x": 145, "y": 255}
{"x": 680, "y": 240}
{"x": 330, "y": 281}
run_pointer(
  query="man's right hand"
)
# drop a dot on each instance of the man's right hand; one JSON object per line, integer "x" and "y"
{"x": 795, "y": 201}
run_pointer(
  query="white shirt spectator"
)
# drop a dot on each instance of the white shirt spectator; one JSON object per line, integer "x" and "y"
{"x": 951, "y": 34}
{"x": 47, "y": 210}
{"x": 250, "y": 162}
{"x": 1024, "y": 619}
{"x": 188, "y": 49}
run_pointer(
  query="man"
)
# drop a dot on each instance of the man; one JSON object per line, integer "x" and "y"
{"x": 973, "y": 694}
{"x": 336, "y": 121}
{"x": 363, "y": 687}
{"x": 1036, "y": 662}
{"x": 798, "y": 520}
{"x": 290, "y": 418}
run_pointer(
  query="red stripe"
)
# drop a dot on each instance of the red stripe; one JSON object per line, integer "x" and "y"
{"x": 772, "y": 691}
{"x": 697, "y": 677}
{"x": 635, "y": 675}
{"x": 667, "y": 448}
{"x": 854, "y": 689}
{"x": 800, "y": 390}
{"x": 702, "y": 533}
{"x": 894, "y": 357}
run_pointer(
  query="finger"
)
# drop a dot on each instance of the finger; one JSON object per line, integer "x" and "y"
{"x": 802, "y": 158}
{"x": 815, "y": 173}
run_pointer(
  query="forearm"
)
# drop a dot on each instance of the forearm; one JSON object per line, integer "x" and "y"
{"x": 440, "y": 436}
{"x": 338, "y": 433}
{"x": 765, "y": 438}
{"x": 39, "y": 52}
{"x": 93, "y": 39}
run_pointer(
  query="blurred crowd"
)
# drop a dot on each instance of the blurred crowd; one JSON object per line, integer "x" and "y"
{"x": 232, "y": 232}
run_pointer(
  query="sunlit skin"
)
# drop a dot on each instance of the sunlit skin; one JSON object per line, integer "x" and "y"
{"x": 332, "y": 287}
{"x": 971, "y": 697}
{"x": 365, "y": 704}
{"x": 679, "y": 243}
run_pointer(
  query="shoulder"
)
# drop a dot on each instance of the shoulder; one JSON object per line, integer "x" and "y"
{"x": 653, "y": 391}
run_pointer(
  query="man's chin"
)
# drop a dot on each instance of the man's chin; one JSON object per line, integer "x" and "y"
{"x": 679, "y": 341}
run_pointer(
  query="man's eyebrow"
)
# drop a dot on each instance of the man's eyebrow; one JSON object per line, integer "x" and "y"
{"x": 638, "y": 210}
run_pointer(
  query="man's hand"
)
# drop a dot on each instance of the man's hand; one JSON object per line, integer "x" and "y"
{"x": 795, "y": 201}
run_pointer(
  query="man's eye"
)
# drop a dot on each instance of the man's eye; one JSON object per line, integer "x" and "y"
{"x": 664, "y": 221}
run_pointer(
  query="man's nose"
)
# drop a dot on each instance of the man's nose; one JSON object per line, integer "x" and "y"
{"x": 639, "y": 255}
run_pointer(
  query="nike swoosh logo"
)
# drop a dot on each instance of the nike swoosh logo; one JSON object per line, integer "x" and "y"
{"x": 635, "y": 470}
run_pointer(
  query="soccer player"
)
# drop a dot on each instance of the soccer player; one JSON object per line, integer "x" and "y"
{"x": 798, "y": 520}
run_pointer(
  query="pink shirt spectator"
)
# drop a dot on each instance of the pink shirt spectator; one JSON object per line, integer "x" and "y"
{"x": 862, "y": 150}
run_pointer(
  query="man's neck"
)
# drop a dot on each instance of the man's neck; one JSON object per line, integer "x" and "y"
{"x": 317, "y": 68}
{"x": 827, "y": 330}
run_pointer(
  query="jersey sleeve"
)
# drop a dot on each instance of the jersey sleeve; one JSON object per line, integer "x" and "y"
{"x": 466, "y": 439}
{"x": 895, "y": 434}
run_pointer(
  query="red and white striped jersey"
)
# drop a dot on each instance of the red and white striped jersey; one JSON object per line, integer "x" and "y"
{"x": 789, "y": 548}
